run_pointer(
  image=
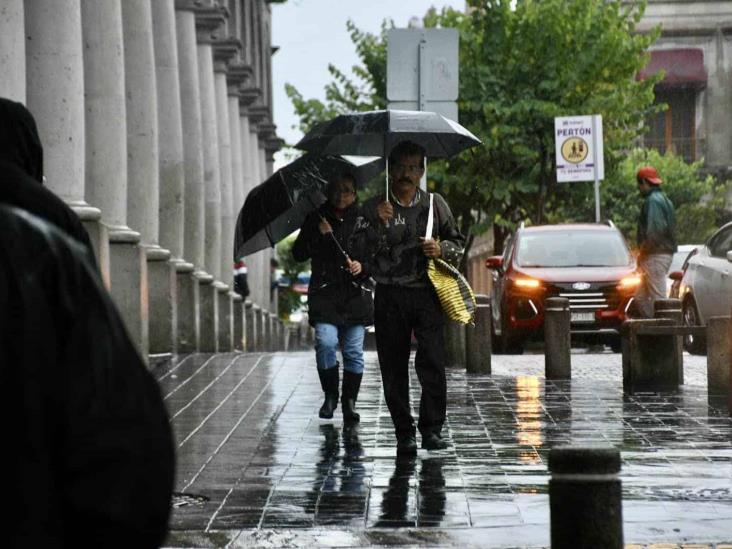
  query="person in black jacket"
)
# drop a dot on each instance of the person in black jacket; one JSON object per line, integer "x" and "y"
{"x": 89, "y": 458}
{"x": 390, "y": 241}
{"x": 339, "y": 306}
{"x": 21, "y": 174}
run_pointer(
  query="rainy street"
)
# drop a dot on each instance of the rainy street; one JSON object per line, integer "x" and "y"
{"x": 256, "y": 467}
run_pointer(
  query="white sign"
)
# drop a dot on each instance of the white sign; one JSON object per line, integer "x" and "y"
{"x": 578, "y": 142}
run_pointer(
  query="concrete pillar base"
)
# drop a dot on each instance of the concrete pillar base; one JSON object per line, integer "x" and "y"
{"x": 162, "y": 300}
{"x": 207, "y": 301}
{"x": 224, "y": 317}
{"x": 187, "y": 308}
{"x": 478, "y": 339}
{"x": 259, "y": 341}
{"x": 718, "y": 356}
{"x": 238, "y": 321}
{"x": 250, "y": 334}
{"x": 99, "y": 236}
{"x": 128, "y": 271}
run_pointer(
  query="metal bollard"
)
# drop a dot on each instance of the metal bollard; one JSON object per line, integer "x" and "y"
{"x": 478, "y": 339}
{"x": 454, "y": 334}
{"x": 718, "y": 355}
{"x": 671, "y": 308}
{"x": 557, "y": 339}
{"x": 249, "y": 327}
{"x": 585, "y": 498}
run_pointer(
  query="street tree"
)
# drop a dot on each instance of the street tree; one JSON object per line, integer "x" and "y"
{"x": 522, "y": 62}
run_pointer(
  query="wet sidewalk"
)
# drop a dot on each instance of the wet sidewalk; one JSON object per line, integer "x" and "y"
{"x": 258, "y": 468}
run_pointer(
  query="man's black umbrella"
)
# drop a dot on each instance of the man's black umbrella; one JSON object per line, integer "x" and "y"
{"x": 277, "y": 207}
{"x": 375, "y": 133}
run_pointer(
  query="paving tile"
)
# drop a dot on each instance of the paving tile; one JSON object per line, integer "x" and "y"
{"x": 251, "y": 447}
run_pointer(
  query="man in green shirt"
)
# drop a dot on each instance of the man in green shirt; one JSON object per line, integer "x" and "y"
{"x": 656, "y": 240}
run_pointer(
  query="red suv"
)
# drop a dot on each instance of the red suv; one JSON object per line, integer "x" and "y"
{"x": 590, "y": 264}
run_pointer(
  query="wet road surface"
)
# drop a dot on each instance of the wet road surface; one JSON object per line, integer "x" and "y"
{"x": 258, "y": 468}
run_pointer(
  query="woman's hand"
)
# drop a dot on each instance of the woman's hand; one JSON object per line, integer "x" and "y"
{"x": 354, "y": 267}
{"x": 324, "y": 227}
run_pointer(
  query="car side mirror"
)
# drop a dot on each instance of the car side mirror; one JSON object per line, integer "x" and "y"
{"x": 494, "y": 262}
{"x": 676, "y": 275}
{"x": 729, "y": 256}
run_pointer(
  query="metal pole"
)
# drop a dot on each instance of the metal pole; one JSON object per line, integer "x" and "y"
{"x": 595, "y": 170}
{"x": 422, "y": 95}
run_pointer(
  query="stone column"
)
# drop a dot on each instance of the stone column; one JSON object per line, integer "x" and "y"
{"x": 12, "y": 50}
{"x": 255, "y": 262}
{"x": 54, "y": 54}
{"x": 106, "y": 159}
{"x": 171, "y": 172}
{"x": 250, "y": 334}
{"x": 194, "y": 206}
{"x": 190, "y": 103}
{"x": 142, "y": 169}
{"x": 208, "y": 326}
{"x": 207, "y": 21}
{"x": 225, "y": 50}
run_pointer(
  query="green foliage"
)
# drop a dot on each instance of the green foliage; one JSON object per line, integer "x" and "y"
{"x": 698, "y": 200}
{"x": 522, "y": 63}
{"x": 288, "y": 300}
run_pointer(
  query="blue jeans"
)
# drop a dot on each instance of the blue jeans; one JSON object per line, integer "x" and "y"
{"x": 327, "y": 339}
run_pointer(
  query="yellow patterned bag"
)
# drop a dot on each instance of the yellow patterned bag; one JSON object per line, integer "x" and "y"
{"x": 455, "y": 294}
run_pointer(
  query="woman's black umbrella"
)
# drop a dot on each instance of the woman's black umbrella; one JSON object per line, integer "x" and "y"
{"x": 277, "y": 207}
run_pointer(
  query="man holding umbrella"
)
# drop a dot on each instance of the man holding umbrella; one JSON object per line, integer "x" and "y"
{"x": 393, "y": 249}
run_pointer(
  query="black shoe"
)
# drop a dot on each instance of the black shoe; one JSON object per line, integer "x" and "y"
{"x": 433, "y": 442}
{"x": 329, "y": 383}
{"x": 349, "y": 394}
{"x": 406, "y": 445}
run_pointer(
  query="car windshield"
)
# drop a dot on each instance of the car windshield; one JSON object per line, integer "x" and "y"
{"x": 572, "y": 248}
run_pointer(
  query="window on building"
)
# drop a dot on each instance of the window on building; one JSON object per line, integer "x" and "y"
{"x": 674, "y": 129}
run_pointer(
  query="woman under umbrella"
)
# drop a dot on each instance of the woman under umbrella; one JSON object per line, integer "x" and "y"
{"x": 339, "y": 306}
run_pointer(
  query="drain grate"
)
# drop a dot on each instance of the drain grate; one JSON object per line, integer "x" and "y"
{"x": 182, "y": 499}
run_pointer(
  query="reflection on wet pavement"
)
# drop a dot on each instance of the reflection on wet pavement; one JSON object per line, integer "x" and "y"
{"x": 252, "y": 454}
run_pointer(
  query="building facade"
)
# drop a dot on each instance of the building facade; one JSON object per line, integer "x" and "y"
{"x": 156, "y": 120}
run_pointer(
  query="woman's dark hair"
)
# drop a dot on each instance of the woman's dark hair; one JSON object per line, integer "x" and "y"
{"x": 405, "y": 148}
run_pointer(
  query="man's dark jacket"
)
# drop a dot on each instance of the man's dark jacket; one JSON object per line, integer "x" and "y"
{"x": 88, "y": 459}
{"x": 393, "y": 255}
{"x": 334, "y": 295}
{"x": 656, "y": 224}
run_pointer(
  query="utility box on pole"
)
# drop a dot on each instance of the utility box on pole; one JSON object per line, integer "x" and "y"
{"x": 422, "y": 70}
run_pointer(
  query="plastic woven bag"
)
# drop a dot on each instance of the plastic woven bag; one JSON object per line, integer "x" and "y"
{"x": 456, "y": 296}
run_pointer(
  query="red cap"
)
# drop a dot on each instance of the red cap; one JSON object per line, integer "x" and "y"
{"x": 650, "y": 174}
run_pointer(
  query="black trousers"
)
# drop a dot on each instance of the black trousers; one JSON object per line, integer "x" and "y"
{"x": 397, "y": 312}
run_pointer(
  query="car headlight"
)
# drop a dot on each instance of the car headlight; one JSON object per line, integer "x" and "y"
{"x": 527, "y": 283}
{"x": 632, "y": 281}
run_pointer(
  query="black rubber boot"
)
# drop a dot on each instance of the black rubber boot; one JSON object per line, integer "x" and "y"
{"x": 329, "y": 383}
{"x": 349, "y": 395}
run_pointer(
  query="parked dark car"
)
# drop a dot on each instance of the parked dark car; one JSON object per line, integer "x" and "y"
{"x": 590, "y": 264}
{"x": 706, "y": 287}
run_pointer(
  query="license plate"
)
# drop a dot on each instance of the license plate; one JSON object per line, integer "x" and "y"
{"x": 582, "y": 317}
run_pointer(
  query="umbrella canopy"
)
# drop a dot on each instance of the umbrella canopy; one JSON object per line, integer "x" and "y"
{"x": 277, "y": 207}
{"x": 375, "y": 133}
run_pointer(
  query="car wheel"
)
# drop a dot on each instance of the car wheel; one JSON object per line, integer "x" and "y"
{"x": 695, "y": 345}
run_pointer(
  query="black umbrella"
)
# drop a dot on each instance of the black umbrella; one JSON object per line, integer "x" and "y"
{"x": 375, "y": 133}
{"x": 277, "y": 207}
